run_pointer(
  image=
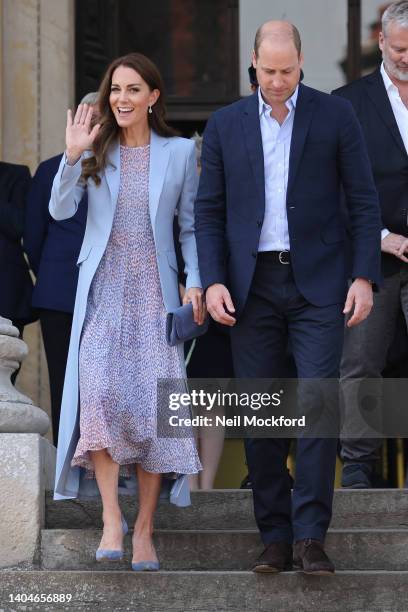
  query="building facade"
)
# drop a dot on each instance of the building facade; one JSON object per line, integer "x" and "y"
{"x": 54, "y": 51}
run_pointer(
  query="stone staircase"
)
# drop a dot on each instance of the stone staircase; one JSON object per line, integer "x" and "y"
{"x": 205, "y": 552}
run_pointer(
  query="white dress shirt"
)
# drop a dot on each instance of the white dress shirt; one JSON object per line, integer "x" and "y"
{"x": 400, "y": 113}
{"x": 276, "y": 141}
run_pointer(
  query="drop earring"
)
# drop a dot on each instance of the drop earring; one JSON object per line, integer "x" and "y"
{"x": 150, "y": 109}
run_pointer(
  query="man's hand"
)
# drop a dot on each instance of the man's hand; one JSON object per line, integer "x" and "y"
{"x": 195, "y": 296}
{"x": 360, "y": 295}
{"x": 394, "y": 244}
{"x": 218, "y": 298}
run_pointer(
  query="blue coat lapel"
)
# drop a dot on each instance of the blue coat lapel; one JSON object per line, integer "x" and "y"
{"x": 303, "y": 115}
{"x": 159, "y": 159}
{"x": 253, "y": 141}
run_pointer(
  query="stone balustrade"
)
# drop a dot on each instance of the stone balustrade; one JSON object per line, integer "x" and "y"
{"x": 17, "y": 412}
{"x": 27, "y": 460}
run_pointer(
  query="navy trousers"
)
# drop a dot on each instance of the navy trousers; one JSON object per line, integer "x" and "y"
{"x": 275, "y": 312}
{"x": 56, "y": 333}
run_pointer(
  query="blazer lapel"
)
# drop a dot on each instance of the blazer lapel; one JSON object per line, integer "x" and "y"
{"x": 159, "y": 159}
{"x": 378, "y": 95}
{"x": 112, "y": 172}
{"x": 253, "y": 140}
{"x": 303, "y": 115}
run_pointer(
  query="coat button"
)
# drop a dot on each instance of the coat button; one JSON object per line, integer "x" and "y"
{"x": 254, "y": 254}
{"x": 259, "y": 223}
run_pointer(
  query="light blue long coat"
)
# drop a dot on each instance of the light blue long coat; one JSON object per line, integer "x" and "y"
{"x": 173, "y": 182}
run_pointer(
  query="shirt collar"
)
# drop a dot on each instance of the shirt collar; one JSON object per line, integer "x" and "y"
{"x": 290, "y": 103}
{"x": 389, "y": 85}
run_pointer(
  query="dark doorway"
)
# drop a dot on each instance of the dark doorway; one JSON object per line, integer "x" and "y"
{"x": 195, "y": 44}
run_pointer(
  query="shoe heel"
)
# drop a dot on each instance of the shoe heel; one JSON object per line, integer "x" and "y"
{"x": 125, "y": 527}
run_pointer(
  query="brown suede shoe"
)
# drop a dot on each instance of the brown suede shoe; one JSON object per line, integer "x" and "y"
{"x": 277, "y": 557}
{"x": 309, "y": 556}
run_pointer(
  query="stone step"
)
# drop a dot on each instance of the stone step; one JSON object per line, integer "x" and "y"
{"x": 358, "y": 549}
{"x": 208, "y": 591}
{"x": 232, "y": 509}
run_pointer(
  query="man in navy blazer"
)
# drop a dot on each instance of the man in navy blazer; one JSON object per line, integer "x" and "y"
{"x": 52, "y": 248}
{"x": 381, "y": 104}
{"x": 272, "y": 257}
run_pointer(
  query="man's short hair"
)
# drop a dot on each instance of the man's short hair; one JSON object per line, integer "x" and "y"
{"x": 91, "y": 98}
{"x": 397, "y": 13}
{"x": 252, "y": 76}
{"x": 260, "y": 36}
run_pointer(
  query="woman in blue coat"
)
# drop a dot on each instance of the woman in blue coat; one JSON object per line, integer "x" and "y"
{"x": 137, "y": 174}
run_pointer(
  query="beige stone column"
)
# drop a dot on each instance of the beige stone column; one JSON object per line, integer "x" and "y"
{"x": 37, "y": 85}
{"x": 57, "y": 73}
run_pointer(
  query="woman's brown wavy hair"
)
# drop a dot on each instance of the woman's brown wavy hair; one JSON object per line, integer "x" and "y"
{"x": 109, "y": 130}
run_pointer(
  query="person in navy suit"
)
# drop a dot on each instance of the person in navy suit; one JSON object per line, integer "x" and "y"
{"x": 53, "y": 248}
{"x": 15, "y": 281}
{"x": 381, "y": 104}
{"x": 271, "y": 247}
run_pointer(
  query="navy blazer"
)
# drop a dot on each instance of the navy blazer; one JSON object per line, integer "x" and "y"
{"x": 388, "y": 156}
{"x": 15, "y": 281}
{"x": 327, "y": 151}
{"x": 52, "y": 246}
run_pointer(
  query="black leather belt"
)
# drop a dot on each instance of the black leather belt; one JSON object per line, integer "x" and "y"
{"x": 282, "y": 257}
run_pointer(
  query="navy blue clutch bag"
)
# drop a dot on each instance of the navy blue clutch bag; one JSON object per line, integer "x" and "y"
{"x": 180, "y": 325}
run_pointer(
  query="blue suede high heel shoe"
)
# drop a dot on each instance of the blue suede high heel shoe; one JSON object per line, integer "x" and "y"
{"x": 104, "y": 554}
{"x": 146, "y": 566}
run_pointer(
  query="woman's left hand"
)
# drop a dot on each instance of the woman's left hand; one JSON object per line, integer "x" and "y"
{"x": 196, "y": 297}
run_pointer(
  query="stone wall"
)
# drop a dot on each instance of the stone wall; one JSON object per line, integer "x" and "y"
{"x": 36, "y": 87}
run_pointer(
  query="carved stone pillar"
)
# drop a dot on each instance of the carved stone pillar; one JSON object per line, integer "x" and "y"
{"x": 17, "y": 411}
